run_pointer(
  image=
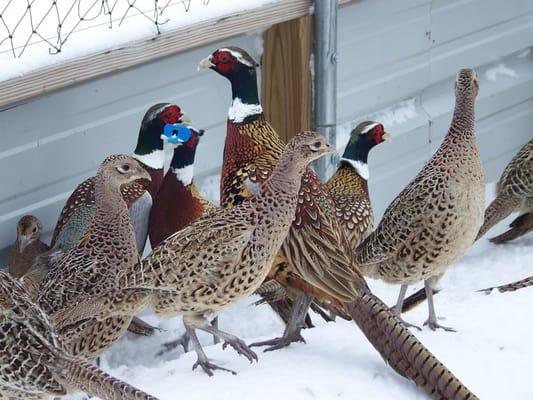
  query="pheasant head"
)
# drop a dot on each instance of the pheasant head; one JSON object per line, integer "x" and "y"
{"x": 119, "y": 170}
{"x": 466, "y": 84}
{"x": 363, "y": 138}
{"x": 29, "y": 229}
{"x": 239, "y": 68}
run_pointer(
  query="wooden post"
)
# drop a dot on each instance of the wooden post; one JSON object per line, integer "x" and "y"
{"x": 286, "y": 76}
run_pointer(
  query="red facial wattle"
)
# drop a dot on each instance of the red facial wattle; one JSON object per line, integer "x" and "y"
{"x": 223, "y": 61}
{"x": 171, "y": 115}
{"x": 377, "y": 133}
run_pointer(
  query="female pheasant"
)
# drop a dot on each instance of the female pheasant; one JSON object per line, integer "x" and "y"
{"x": 434, "y": 220}
{"x": 178, "y": 202}
{"x": 33, "y": 362}
{"x": 349, "y": 186}
{"x": 225, "y": 255}
{"x": 316, "y": 253}
{"x": 27, "y": 246}
{"x": 91, "y": 267}
{"x": 514, "y": 193}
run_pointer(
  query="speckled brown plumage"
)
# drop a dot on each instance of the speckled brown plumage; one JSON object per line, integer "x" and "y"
{"x": 316, "y": 248}
{"x": 27, "y": 246}
{"x": 90, "y": 268}
{"x": 224, "y": 256}
{"x": 33, "y": 362}
{"x": 434, "y": 220}
{"x": 514, "y": 193}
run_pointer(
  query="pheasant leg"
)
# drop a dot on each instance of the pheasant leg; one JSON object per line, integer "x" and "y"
{"x": 399, "y": 306}
{"x": 202, "y": 361}
{"x": 293, "y": 328}
{"x": 432, "y": 318}
{"x": 238, "y": 345}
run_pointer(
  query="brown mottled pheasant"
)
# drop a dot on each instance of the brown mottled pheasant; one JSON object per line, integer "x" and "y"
{"x": 33, "y": 363}
{"x": 514, "y": 193}
{"x": 349, "y": 185}
{"x": 27, "y": 246}
{"x": 91, "y": 267}
{"x": 434, "y": 220}
{"x": 224, "y": 256}
{"x": 316, "y": 251}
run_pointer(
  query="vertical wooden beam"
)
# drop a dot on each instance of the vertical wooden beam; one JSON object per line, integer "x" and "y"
{"x": 286, "y": 76}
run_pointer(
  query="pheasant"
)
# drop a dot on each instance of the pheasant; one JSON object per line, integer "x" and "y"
{"x": 225, "y": 255}
{"x": 433, "y": 222}
{"x": 178, "y": 202}
{"x": 91, "y": 267}
{"x": 514, "y": 193}
{"x": 349, "y": 186}
{"x": 27, "y": 246}
{"x": 33, "y": 362}
{"x": 319, "y": 261}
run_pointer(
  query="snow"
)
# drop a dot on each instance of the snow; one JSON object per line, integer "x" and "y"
{"x": 93, "y": 34}
{"x": 492, "y": 74}
{"x": 491, "y": 352}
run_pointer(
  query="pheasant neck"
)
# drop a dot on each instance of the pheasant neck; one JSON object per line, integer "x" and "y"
{"x": 108, "y": 199}
{"x": 463, "y": 118}
{"x": 245, "y": 105}
{"x": 284, "y": 183}
{"x": 182, "y": 164}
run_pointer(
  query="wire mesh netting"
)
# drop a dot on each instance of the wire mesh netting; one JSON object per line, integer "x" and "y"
{"x": 25, "y": 23}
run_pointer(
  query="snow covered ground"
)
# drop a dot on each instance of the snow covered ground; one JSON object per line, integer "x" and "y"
{"x": 491, "y": 352}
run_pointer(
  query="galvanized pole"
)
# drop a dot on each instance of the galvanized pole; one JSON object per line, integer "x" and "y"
{"x": 325, "y": 98}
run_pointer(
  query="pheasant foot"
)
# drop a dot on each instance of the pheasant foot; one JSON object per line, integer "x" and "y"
{"x": 167, "y": 347}
{"x": 293, "y": 328}
{"x": 231, "y": 340}
{"x": 434, "y": 325}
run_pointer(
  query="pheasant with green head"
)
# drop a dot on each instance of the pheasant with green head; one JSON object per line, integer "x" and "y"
{"x": 349, "y": 185}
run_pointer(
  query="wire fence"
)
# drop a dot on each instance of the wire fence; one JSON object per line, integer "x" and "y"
{"x": 24, "y": 23}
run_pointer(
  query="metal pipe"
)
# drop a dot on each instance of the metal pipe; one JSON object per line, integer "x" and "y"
{"x": 325, "y": 93}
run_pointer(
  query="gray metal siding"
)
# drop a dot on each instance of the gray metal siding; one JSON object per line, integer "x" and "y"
{"x": 52, "y": 143}
{"x": 392, "y": 51}
{"x": 392, "y": 54}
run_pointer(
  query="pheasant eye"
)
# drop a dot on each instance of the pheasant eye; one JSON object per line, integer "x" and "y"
{"x": 123, "y": 168}
{"x": 34, "y": 229}
{"x": 316, "y": 145}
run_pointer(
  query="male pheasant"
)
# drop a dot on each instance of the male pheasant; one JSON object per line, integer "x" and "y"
{"x": 33, "y": 363}
{"x": 27, "y": 246}
{"x": 433, "y": 222}
{"x": 91, "y": 267}
{"x": 349, "y": 185}
{"x": 224, "y": 256}
{"x": 316, "y": 251}
{"x": 514, "y": 193}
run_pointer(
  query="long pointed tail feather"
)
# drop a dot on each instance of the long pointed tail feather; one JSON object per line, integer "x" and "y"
{"x": 402, "y": 350}
{"x": 511, "y": 287}
{"x": 89, "y": 378}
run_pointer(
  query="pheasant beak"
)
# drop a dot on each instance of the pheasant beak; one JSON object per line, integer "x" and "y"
{"x": 206, "y": 63}
{"x": 143, "y": 174}
{"x": 23, "y": 242}
{"x": 387, "y": 137}
{"x": 185, "y": 118}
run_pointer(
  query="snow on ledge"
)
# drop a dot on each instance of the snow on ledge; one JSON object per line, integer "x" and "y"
{"x": 98, "y": 37}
